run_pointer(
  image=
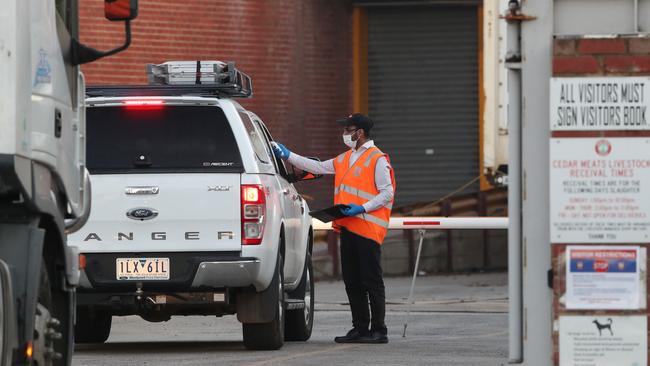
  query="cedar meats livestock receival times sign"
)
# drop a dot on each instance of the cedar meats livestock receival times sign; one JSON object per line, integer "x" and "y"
{"x": 600, "y": 185}
{"x": 600, "y": 194}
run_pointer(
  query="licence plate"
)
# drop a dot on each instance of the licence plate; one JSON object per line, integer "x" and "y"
{"x": 142, "y": 268}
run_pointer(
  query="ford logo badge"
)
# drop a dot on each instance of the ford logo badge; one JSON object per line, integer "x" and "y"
{"x": 142, "y": 213}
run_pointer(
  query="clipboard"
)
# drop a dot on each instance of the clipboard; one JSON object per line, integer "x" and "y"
{"x": 329, "y": 214}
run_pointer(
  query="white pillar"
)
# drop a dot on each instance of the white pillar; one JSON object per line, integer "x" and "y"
{"x": 537, "y": 52}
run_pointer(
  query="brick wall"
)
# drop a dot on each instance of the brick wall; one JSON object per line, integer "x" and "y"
{"x": 579, "y": 56}
{"x": 601, "y": 56}
{"x": 298, "y": 53}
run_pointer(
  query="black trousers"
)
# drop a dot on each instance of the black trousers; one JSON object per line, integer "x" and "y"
{"x": 363, "y": 278}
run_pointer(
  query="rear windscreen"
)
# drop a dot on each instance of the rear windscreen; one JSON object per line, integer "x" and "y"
{"x": 160, "y": 139}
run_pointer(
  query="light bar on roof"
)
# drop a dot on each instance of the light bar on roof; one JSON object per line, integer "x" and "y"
{"x": 187, "y": 72}
{"x": 223, "y": 77}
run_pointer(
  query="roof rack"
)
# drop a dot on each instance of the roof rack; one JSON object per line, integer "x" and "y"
{"x": 184, "y": 78}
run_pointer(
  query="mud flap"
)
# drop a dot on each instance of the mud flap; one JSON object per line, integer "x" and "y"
{"x": 253, "y": 307}
{"x": 24, "y": 262}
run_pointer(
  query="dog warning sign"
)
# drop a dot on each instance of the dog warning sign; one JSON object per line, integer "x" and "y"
{"x": 603, "y": 340}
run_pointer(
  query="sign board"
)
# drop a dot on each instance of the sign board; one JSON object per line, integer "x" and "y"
{"x": 603, "y": 340}
{"x": 605, "y": 277}
{"x": 596, "y": 104}
{"x": 600, "y": 190}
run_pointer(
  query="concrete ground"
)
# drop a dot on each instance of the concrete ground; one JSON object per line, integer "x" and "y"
{"x": 456, "y": 320}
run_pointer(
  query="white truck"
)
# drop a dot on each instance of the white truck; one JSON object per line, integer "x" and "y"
{"x": 44, "y": 184}
{"x": 192, "y": 214}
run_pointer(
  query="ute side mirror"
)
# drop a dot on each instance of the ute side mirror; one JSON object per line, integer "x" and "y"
{"x": 310, "y": 176}
{"x": 301, "y": 175}
{"x": 114, "y": 10}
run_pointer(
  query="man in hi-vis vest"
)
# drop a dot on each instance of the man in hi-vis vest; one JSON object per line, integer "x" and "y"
{"x": 364, "y": 181}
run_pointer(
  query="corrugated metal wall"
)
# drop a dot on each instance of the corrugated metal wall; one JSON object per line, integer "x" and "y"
{"x": 423, "y": 96}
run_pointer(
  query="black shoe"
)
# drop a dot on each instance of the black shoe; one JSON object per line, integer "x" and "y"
{"x": 375, "y": 336}
{"x": 353, "y": 336}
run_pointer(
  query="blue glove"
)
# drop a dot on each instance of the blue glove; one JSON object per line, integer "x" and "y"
{"x": 280, "y": 151}
{"x": 353, "y": 210}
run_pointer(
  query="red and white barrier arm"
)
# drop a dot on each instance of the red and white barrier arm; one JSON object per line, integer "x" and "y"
{"x": 434, "y": 223}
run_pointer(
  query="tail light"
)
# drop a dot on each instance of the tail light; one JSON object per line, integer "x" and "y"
{"x": 253, "y": 208}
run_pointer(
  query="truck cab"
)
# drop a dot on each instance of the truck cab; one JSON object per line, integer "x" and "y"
{"x": 44, "y": 183}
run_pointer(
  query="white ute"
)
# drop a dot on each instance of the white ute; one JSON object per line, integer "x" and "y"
{"x": 192, "y": 214}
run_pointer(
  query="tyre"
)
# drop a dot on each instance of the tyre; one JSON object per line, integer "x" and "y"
{"x": 300, "y": 322}
{"x": 47, "y": 344}
{"x": 7, "y": 316}
{"x": 92, "y": 325}
{"x": 269, "y": 336}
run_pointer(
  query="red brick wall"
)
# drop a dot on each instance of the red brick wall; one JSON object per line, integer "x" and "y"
{"x": 620, "y": 56}
{"x": 601, "y": 56}
{"x": 298, "y": 53}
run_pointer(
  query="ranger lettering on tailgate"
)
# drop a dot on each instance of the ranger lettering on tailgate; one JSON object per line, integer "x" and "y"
{"x": 162, "y": 235}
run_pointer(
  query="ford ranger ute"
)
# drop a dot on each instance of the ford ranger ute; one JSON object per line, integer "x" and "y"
{"x": 192, "y": 213}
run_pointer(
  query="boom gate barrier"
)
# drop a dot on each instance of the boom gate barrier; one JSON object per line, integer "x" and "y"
{"x": 421, "y": 224}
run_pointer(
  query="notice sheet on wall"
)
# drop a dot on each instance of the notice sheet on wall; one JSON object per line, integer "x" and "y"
{"x": 605, "y": 277}
{"x": 603, "y": 340}
{"x": 600, "y": 190}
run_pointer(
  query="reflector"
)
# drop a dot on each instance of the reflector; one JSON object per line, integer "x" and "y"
{"x": 120, "y": 9}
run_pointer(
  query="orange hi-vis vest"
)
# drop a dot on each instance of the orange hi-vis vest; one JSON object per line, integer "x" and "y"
{"x": 356, "y": 184}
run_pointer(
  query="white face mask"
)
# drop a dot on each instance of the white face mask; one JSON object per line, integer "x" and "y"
{"x": 347, "y": 140}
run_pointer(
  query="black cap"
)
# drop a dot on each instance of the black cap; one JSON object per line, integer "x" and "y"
{"x": 359, "y": 120}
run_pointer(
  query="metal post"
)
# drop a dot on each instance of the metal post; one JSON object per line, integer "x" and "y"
{"x": 513, "y": 63}
{"x": 415, "y": 274}
{"x": 446, "y": 211}
{"x": 636, "y": 16}
{"x": 482, "y": 212}
{"x": 536, "y": 71}
{"x": 408, "y": 234}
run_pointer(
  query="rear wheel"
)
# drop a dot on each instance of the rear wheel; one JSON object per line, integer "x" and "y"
{"x": 6, "y": 314}
{"x": 269, "y": 336}
{"x": 46, "y": 350}
{"x": 92, "y": 326}
{"x": 300, "y": 321}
